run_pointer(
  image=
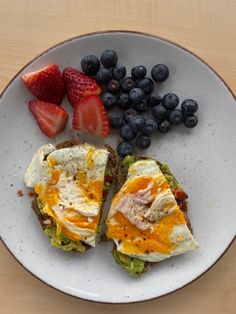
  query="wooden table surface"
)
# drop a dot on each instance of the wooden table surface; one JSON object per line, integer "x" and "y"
{"x": 208, "y": 28}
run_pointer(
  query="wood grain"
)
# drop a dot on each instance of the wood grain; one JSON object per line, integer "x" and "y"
{"x": 208, "y": 28}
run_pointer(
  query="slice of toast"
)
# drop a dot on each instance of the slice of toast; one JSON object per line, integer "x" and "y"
{"x": 134, "y": 265}
{"x": 46, "y": 221}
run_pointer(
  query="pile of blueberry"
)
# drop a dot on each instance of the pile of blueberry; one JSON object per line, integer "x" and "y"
{"x": 135, "y": 95}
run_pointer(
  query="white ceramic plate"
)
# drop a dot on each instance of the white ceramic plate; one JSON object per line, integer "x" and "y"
{"x": 203, "y": 159}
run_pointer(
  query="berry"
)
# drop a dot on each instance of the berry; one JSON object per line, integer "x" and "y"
{"x": 90, "y": 65}
{"x": 142, "y": 106}
{"x": 150, "y": 127}
{"x": 127, "y": 133}
{"x": 79, "y": 85}
{"x": 138, "y": 72}
{"x": 116, "y": 119}
{"x": 119, "y": 72}
{"x": 164, "y": 126}
{"x": 143, "y": 141}
{"x": 109, "y": 100}
{"x": 123, "y": 101}
{"x": 175, "y": 116}
{"x": 153, "y": 99}
{"x": 146, "y": 84}
{"x": 125, "y": 148}
{"x": 127, "y": 84}
{"x": 170, "y": 101}
{"x": 104, "y": 75}
{"x": 136, "y": 95}
{"x": 160, "y": 73}
{"x": 137, "y": 123}
{"x": 191, "y": 121}
{"x": 109, "y": 58}
{"x": 90, "y": 116}
{"x": 51, "y": 118}
{"x": 46, "y": 84}
{"x": 129, "y": 113}
{"x": 189, "y": 106}
{"x": 159, "y": 112}
{"x": 113, "y": 86}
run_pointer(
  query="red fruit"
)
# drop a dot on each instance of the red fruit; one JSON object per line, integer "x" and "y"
{"x": 90, "y": 116}
{"x": 180, "y": 195}
{"x": 79, "y": 85}
{"x": 46, "y": 84}
{"x": 51, "y": 118}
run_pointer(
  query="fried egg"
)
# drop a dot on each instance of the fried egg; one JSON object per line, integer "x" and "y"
{"x": 69, "y": 182}
{"x": 145, "y": 220}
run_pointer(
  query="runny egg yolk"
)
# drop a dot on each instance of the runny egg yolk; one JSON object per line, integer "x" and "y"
{"x": 92, "y": 189}
{"x": 136, "y": 241}
{"x": 81, "y": 221}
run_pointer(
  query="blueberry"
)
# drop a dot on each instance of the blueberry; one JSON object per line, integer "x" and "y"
{"x": 164, "y": 126}
{"x": 119, "y": 72}
{"x": 109, "y": 100}
{"x": 160, "y": 73}
{"x": 127, "y": 84}
{"x": 189, "y": 106}
{"x": 90, "y": 65}
{"x": 104, "y": 75}
{"x": 137, "y": 123}
{"x": 191, "y": 121}
{"x": 129, "y": 113}
{"x": 146, "y": 84}
{"x": 127, "y": 133}
{"x": 136, "y": 95}
{"x": 123, "y": 101}
{"x": 138, "y": 72}
{"x": 142, "y": 106}
{"x": 150, "y": 127}
{"x": 143, "y": 141}
{"x": 113, "y": 86}
{"x": 170, "y": 101}
{"x": 159, "y": 112}
{"x": 153, "y": 99}
{"x": 124, "y": 149}
{"x": 109, "y": 58}
{"x": 116, "y": 119}
{"x": 175, "y": 116}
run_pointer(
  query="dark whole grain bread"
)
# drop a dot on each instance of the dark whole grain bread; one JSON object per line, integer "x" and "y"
{"x": 122, "y": 175}
{"x": 112, "y": 165}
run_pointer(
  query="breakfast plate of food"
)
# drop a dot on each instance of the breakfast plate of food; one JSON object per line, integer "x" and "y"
{"x": 117, "y": 167}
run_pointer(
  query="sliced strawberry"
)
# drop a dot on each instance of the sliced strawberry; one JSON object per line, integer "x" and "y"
{"x": 79, "y": 85}
{"x": 90, "y": 116}
{"x": 51, "y": 118}
{"x": 46, "y": 84}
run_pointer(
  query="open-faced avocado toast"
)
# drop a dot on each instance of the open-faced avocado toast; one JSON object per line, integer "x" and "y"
{"x": 71, "y": 181}
{"x": 148, "y": 219}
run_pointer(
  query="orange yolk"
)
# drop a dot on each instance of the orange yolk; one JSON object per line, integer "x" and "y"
{"x": 92, "y": 189}
{"x": 136, "y": 241}
{"x": 80, "y": 220}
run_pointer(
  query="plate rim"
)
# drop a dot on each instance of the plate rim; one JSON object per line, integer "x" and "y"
{"x": 124, "y": 32}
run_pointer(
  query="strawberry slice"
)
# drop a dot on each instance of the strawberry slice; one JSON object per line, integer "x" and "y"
{"x": 46, "y": 84}
{"x": 79, "y": 85}
{"x": 51, "y": 118}
{"x": 90, "y": 116}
